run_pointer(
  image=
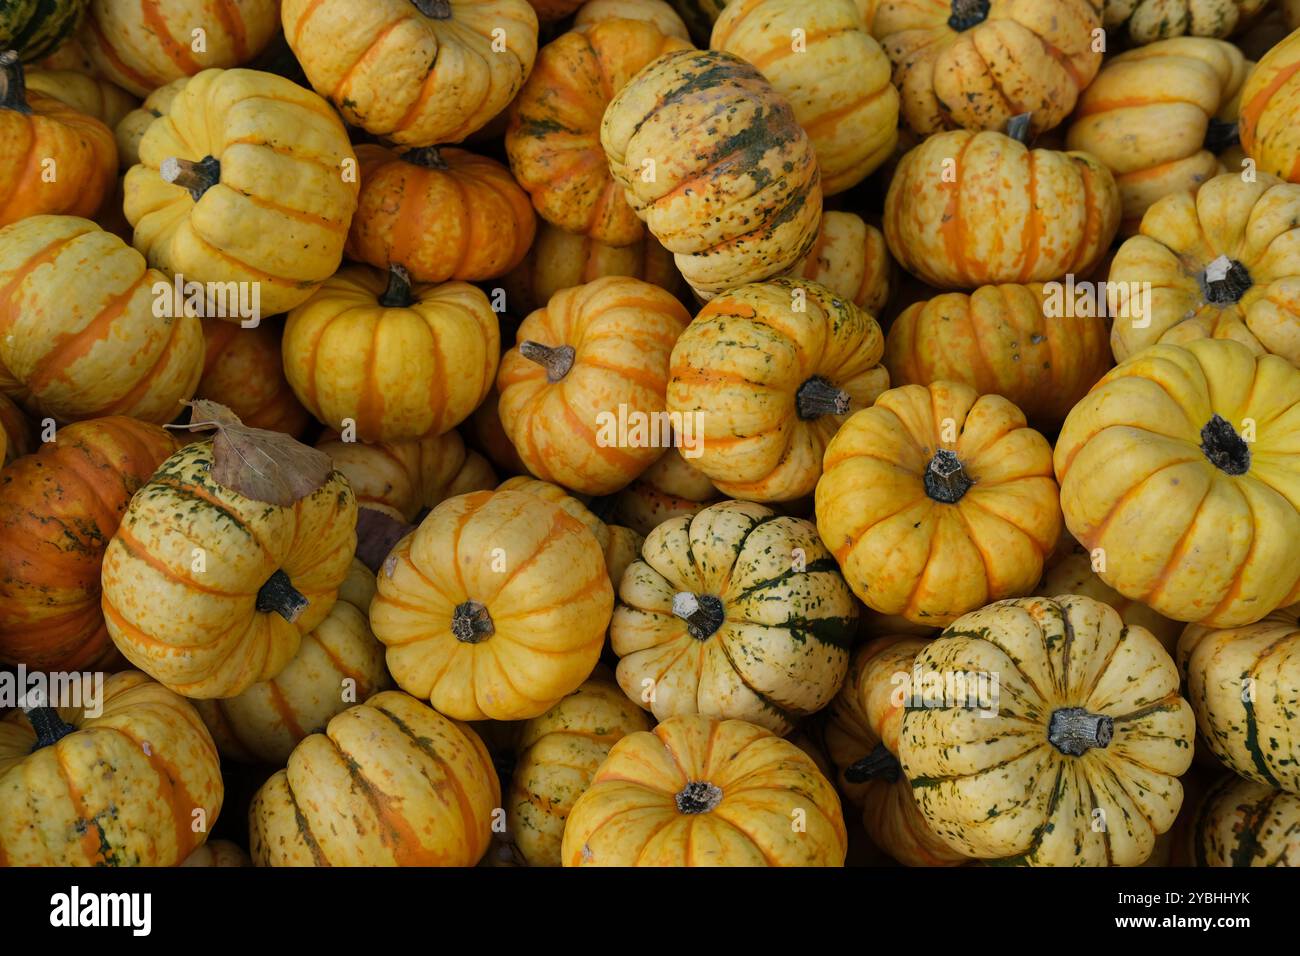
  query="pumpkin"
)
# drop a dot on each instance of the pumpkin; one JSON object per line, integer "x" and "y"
{"x": 558, "y": 754}
{"x": 735, "y": 613}
{"x": 959, "y": 211}
{"x": 143, "y": 44}
{"x": 1027, "y": 343}
{"x": 221, "y": 195}
{"x": 56, "y": 158}
{"x": 553, "y": 140}
{"x": 15, "y": 431}
{"x": 582, "y": 391}
{"x": 489, "y": 436}
{"x": 79, "y": 326}
{"x": 242, "y": 370}
{"x": 751, "y": 212}
{"x": 416, "y": 72}
{"x": 1268, "y": 127}
{"x": 338, "y": 664}
{"x": 401, "y": 479}
{"x": 768, "y": 372}
{"x": 977, "y": 63}
{"x": 559, "y": 260}
{"x": 937, "y": 500}
{"x": 670, "y": 488}
{"x": 35, "y": 27}
{"x": 834, "y": 74}
{"x": 1158, "y": 115}
{"x": 1243, "y": 683}
{"x": 1071, "y": 759}
{"x": 1147, "y": 21}
{"x": 1222, "y": 263}
{"x": 376, "y": 350}
{"x": 86, "y": 94}
{"x": 416, "y": 788}
{"x": 137, "y": 785}
{"x": 1244, "y": 823}
{"x": 495, "y": 607}
{"x": 209, "y": 589}
{"x": 851, "y": 259}
{"x": 220, "y": 853}
{"x": 658, "y": 12}
{"x": 697, "y": 791}
{"x": 130, "y": 129}
{"x": 441, "y": 213}
{"x": 58, "y": 509}
{"x": 548, "y": 11}
{"x": 1157, "y": 450}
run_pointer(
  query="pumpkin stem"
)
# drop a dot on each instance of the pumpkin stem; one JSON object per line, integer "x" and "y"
{"x": 968, "y": 13}
{"x": 1220, "y": 134}
{"x": 1073, "y": 730}
{"x": 198, "y": 177}
{"x": 13, "y": 85}
{"x": 557, "y": 361}
{"x": 1226, "y": 449}
{"x": 703, "y": 613}
{"x": 880, "y": 764}
{"x": 1018, "y": 127}
{"x": 430, "y": 157}
{"x": 280, "y": 596}
{"x": 698, "y": 797}
{"x": 817, "y": 397}
{"x": 397, "y": 294}
{"x": 434, "y": 9}
{"x": 945, "y": 479}
{"x": 49, "y": 726}
{"x": 1224, "y": 281}
{"x": 471, "y": 623}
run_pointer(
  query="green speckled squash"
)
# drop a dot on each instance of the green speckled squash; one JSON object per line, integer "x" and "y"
{"x": 35, "y": 27}
{"x": 1243, "y": 823}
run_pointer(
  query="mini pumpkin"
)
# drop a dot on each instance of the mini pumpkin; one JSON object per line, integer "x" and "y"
{"x": 658, "y": 12}
{"x": 243, "y": 371}
{"x": 1156, "y": 453}
{"x": 416, "y": 72}
{"x": 1148, "y": 21}
{"x": 86, "y": 94}
{"x": 218, "y": 853}
{"x": 851, "y": 259}
{"x": 767, "y": 373}
{"x": 416, "y": 788}
{"x": 582, "y": 391}
{"x": 130, "y": 129}
{"x": 1268, "y": 126}
{"x": 669, "y": 488}
{"x": 1245, "y": 823}
{"x": 936, "y": 501}
{"x": 748, "y": 214}
{"x": 1076, "y": 763}
{"x": 35, "y": 27}
{"x": 702, "y": 792}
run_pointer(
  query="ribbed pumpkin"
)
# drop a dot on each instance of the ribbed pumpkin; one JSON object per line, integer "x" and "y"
{"x": 559, "y": 260}
{"x": 1244, "y": 823}
{"x": 56, "y": 159}
{"x": 1146, "y": 21}
{"x": 403, "y": 361}
{"x": 553, "y": 140}
{"x": 597, "y": 355}
{"x": 1156, "y": 453}
{"x": 702, "y": 792}
{"x": 851, "y": 259}
{"x": 752, "y": 209}
{"x": 16, "y": 438}
{"x": 1076, "y": 763}
{"x": 219, "y": 853}
{"x": 416, "y": 72}
{"x": 210, "y": 591}
{"x": 143, "y": 44}
{"x": 86, "y": 94}
{"x": 821, "y": 58}
{"x": 1268, "y": 113}
{"x": 969, "y": 209}
{"x": 495, "y": 607}
{"x": 35, "y": 27}
{"x": 658, "y": 12}
{"x": 736, "y": 612}
{"x": 1223, "y": 263}
{"x": 441, "y": 213}
{"x": 1243, "y": 683}
{"x": 339, "y": 663}
{"x": 936, "y": 501}
{"x": 669, "y": 488}
{"x": 119, "y": 789}
{"x": 1157, "y": 117}
{"x": 243, "y": 371}
{"x": 416, "y": 788}
{"x": 79, "y": 329}
{"x": 1026, "y": 343}
{"x": 58, "y": 509}
{"x": 558, "y": 754}
{"x": 130, "y": 129}
{"x": 768, "y": 372}
{"x": 977, "y": 63}
{"x": 220, "y": 194}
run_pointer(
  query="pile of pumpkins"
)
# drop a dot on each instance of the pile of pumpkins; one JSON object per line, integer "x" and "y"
{"x": 629, "y": 433}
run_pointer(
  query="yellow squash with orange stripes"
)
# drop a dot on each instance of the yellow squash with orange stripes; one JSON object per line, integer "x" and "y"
{"x": 243, "y": 371}
{"x": 851, "y": 258}
{"x": 1268, "y": 113}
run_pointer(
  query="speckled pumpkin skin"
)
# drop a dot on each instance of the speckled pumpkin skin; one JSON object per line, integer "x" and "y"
{"x": 1269, "y": 132}
{"x": 1244, "y": 823}
{"x": 1148, "y": 21}
{"x": 995, "y": 788}
{"x": 851, "y": 259}
{"x": 243, "y": 370}
{"x": 669, "y": 488}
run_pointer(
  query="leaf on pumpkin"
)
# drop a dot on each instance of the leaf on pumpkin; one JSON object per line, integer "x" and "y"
{"x": 258, "y": 464}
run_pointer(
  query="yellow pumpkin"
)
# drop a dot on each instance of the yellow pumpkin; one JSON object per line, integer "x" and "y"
{"x": 243, "y": 371}
{"x": 86, "y": 94}
{"x": 669, "y": 488}
{"x": 415, "y": 788}
{"x": 1157, "y": 453}
{"x": 398, "y": 361}
{"x": 130, "y": 129}
{"x": 702, "y": 792}
{"x": 1244, "y": 823}
{"x": 495, "y": 607}
{"x": 851, "y": 259}
{"x": 658, "y": 12}
{"x": 1268, "y": 115}
{"x": 1145, "y": 21}
{"x": 767, "y": 373}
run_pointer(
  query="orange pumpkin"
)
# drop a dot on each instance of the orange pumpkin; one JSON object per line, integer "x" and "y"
{"x": 1268, "y": 111}
{"x": 242, "y": 370}
{"x": 670, "y": 487}
{"x": 657, "y": 12}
